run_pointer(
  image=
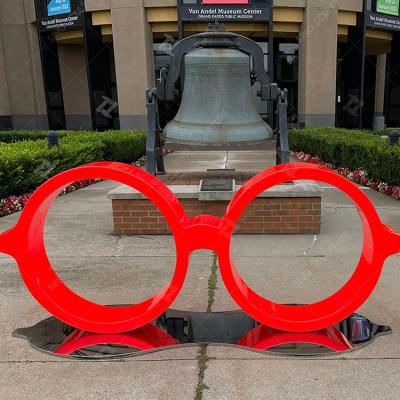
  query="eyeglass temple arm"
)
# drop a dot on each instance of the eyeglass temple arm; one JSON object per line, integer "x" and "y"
{"x": 392, "y": 241}
{"x": 9, "y": 242}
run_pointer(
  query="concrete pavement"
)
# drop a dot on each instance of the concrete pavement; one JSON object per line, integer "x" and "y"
{"x": 115, "y": 270}
{"x": 189, "y": 161}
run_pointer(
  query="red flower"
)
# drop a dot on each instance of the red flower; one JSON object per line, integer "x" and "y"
{"x": 359, "y": 176}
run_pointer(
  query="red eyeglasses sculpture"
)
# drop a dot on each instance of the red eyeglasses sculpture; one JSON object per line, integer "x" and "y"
{"x": 25, "y": 243}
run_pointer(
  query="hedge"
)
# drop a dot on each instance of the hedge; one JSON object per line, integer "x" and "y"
{"x": 27, "y": 164}
{"x": 111, "y": 137}
{"x": 122, "y": 146}
{"x": 350, "y": 149}
{"x": 18, "y": 136}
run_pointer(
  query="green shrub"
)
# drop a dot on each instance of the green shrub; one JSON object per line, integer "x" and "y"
{"x": 352, "y": 149}
{"x": 122, "y": 146}
{"x": 118, "y": 143}
{"x": 19, "y": 136}
{"x": 25, "y": 165}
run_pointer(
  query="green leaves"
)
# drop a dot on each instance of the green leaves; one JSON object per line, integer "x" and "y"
{"x": 122, "y": 146}
{"x": 19, "y": 136}
{"x": 24, "y": 165}
{"x": 351, "y": 149}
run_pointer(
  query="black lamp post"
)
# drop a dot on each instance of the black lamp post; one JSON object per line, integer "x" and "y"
{"x": 394, "y": 137}
{"x": 53, "y": 139}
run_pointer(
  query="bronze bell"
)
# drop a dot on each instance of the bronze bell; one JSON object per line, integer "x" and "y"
{"x": 217, "y": 104}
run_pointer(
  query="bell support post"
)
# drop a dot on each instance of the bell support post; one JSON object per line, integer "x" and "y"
{"x": 154, "y": 151}
{"x": 282, "y": 140}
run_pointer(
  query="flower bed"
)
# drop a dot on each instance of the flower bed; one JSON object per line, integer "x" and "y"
{"x": 359, "y": 176}
{"x": 14, "y": 204}
{"x": 352, "y": 149}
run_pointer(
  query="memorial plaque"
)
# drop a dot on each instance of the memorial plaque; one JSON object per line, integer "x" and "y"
{"x": 217, "y": 185}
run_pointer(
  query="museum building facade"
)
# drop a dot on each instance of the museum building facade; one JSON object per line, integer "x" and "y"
{"x": 75, "y": 64}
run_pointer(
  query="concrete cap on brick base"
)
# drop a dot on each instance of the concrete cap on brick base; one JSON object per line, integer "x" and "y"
{"x": 295, "y": 189}
{"x": 288, "y": 209}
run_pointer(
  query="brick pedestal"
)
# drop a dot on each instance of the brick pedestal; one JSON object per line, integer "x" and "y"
{"x": 286, "y": 210}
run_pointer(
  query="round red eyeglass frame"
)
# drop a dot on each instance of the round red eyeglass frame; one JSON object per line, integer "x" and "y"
{"x": 25, "y": 242}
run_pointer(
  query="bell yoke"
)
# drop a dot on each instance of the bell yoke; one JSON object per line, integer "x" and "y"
{"x": 25, "y": 243}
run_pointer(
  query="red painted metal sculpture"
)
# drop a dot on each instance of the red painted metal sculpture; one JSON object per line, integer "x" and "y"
{"x": 263, "y": 338}
{"x": 146, "y": 338}
{"x": 25, "y": 242}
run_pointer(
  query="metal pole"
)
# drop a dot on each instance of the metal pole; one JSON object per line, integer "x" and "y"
{"x": 53, "y": 139}
{"x": 271, "y": 60}
{"x": 151, "y": 133}
{"x": 180, "y": 22}
{"x": 283, "y": 128}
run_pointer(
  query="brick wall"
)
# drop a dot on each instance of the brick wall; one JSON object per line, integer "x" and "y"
{"x": 281, "y": 216}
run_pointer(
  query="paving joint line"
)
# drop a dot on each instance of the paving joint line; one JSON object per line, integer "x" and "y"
{"x": 203, "y": 359}
{"x": 202, "y": 356}
{"x": 69, "y": 361}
